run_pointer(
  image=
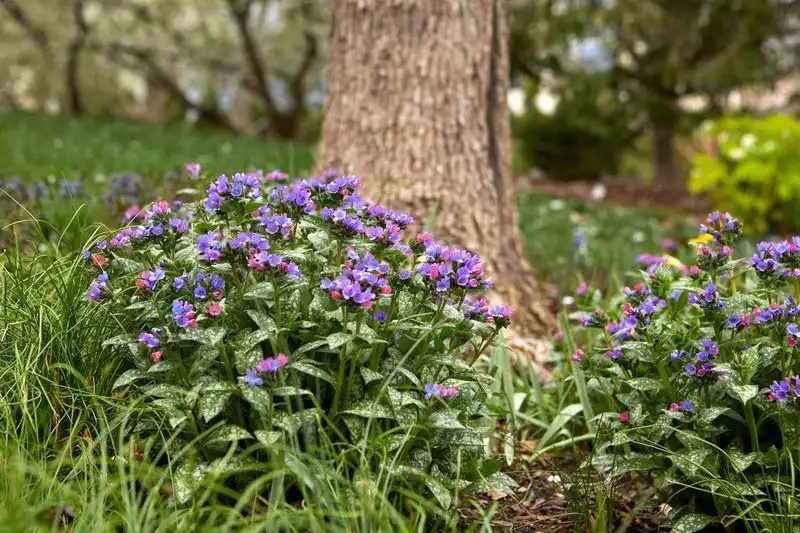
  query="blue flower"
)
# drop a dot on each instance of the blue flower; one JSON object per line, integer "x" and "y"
{"x": 252, "y": 379}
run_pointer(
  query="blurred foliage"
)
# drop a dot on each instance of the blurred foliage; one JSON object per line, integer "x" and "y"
{"x": 647, "y": 56}
{"x": 251, "y": 66}
{"x": 568, "y": 241}
{"x": 583, "y": 138}
{"x": 34, "y": 146}
{"x": 756, "y": 172}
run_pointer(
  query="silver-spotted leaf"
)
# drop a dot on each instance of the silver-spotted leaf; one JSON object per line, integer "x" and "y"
{"x": 370, "y": 409}
{"x": 445, "y": 420}
{"x": 690, "y": 523}
{"x": 743, "y": 393}
{"x": 128, "y": 377}
{"x": 644, "y": 384}
{"x": 228, "y": 433}
{"x": 439, "y": 492}
{"x": 370, "y": 375}
{"x": 336, "y": 340}
{"x": 268, "y": 438}
{"x": 311, "y": 369}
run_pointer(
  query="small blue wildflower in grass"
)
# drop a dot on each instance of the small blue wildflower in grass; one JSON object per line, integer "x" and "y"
{"x": 734, "y": 321}
{"x": 687, "y": 406}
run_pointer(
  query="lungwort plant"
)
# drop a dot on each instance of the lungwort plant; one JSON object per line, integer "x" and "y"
{"x": 695, "y": 370}
{"x": 272, "y": 319}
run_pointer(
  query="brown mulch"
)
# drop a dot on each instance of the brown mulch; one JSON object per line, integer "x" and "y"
{"x": 540, "y": 504}
{"x": 622, "y": 192}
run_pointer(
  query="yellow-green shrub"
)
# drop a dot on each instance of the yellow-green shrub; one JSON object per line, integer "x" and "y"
{"x": 756, "y": 172}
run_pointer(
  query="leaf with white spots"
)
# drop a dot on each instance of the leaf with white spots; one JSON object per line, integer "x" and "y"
{"x": 691, "y": 523}
{"x": 128, "y": 377}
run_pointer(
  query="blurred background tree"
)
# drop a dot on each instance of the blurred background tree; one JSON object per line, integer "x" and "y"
{"x": 248, "y": 66}
{"x": 629, "y": 67}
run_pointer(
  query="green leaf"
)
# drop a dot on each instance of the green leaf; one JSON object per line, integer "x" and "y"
{"x": 309, "y": 346}
{"x": 260, "y": 291}
{"x": 203, "y": 358}
{"x": 128, "y": 377}
{"x": 207, "y": 336}
{"x": 739, "y": 460}
{"x": 292, "y": 423}
{"x": 497, "y": 482}
{"x": 691, "y": 523}
{"x": 120, "y": 340}
{"x": 398, "y": 399}
{"x": 459, "y": 437}
{"x": 644, "y": 384}
{"x": 268, "y": 438}
{"x": 312, "y": 370}
{"x": 290, "y": 391}
{"x": 368, "y": 409}
{"x": 252, "y": 339}
{"x": 187, "y": 478}
{"x": 318, "y": 239}
{"x": 262, "y": 320}
{"x": 370, "y": 375}
{"x": 439, "y": 492}
{"x": 336, "y": 340}
{"x": 691, "y": 462}
{"x": 444, "y": 420}
{"x": 410, "y": 376}
{"x": 214, "y": 399}
{"x": 710, "y": 414}
{"x": 743, "y": 393}
{"x": 559, "y": 422}
{"x": 161, "y": 366}
{"x": 228, "y": 433}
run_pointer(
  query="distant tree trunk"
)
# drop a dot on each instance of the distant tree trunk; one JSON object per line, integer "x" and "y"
{"x": 664, "y": 151}
{"x": 416, "y": 106}
{"x": 75, "y": 103}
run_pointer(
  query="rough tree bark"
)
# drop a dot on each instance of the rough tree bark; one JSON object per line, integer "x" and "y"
{"x": 416, "y": 106}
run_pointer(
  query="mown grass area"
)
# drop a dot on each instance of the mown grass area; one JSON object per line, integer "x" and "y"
{"x": 35, "y": 146}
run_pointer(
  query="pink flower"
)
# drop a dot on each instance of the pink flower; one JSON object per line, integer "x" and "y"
{"x": 98, "y": 260}
{"x": 791, "y": 341}
{"x": 559, "y": 335}
{"x": 131, "y": 213}
{"x": 674, "y": 407}
{"x": 581, "y": 290}
{"x": 214, "y": 309}
{"x": 578, "y": 355}
{"x": 156, "y": 356}
{"x": 624, "y": 417}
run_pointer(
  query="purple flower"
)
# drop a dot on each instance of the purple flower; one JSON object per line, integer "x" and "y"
{"x": 272, "y": 365}
{"x": 691, "y": 369}
{"x": 779, "y": 391}
{"x": 687, "y": 406}
{"x": 252, "y": 379}
{"x": 380, "y": 317}
{"x": 734, "y": 320}
{"x": 150, "y": 339}
{"x": 440, "y": 391}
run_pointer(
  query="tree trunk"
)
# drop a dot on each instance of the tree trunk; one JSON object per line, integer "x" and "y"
{"x": 416, "y": 106}
{"x": 664, "y": 151}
